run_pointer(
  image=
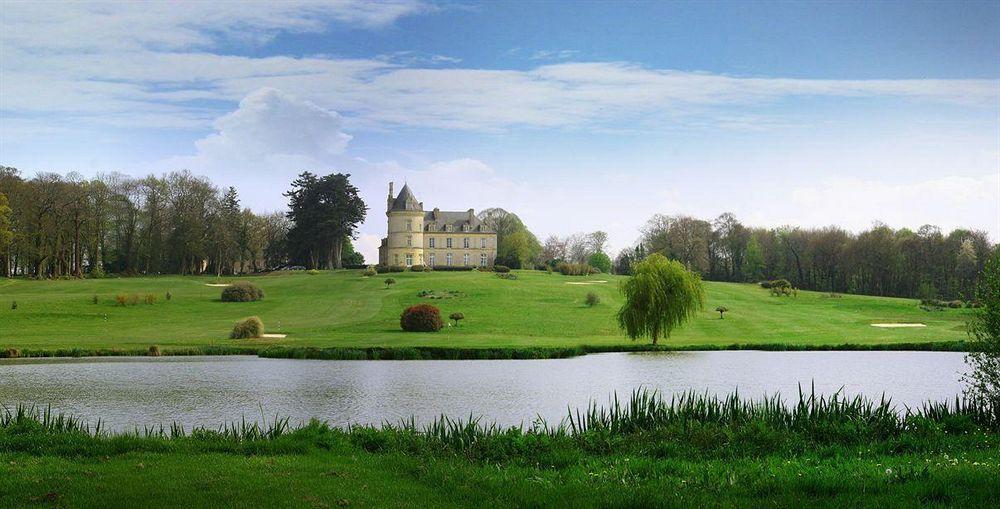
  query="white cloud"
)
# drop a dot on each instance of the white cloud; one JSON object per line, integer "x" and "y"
{"x": 271, "y": 122}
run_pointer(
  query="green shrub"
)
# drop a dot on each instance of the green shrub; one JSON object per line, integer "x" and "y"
{"x": 501, "y": 268}
{"x": 150, "y": 298}
{"x": 389, "y": 282}
{"x": 456, "y": 317}
{"x": 592, "y": 299}
{"x": 242, "y": 291}
{"x": 420, "y": 268}
{"x": 247, "y": 328}
{"x": 600, "y": 261}
{"x": 153, "y": 351}
{"x": 421, "y": 318}
{"x": 382, "y": 269}
{"x": 453, "y": 268}
{"x": 370, "y": 271}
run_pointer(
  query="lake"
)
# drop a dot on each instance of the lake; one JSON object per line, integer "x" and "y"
{"x": 125, "y": 392}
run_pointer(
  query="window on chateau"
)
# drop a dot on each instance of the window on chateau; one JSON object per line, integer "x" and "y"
{"x": 430, "y": 242}
{"x": 448, "y": 242}
{"x": 432, "y": 257}
{"x": 409, "y": 259}
{"x": 482, "y": 260}
{"x": 482, "y": 242}
{"x": 409, "y": 225}
{"x": 409, "y": 241}
{"x": 465, "y": 259}
{"x": 465, "y": 243}
{"x": 448, "y": 259}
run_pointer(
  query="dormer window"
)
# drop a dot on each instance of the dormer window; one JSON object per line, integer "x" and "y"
{"x": 447, "y": 228}
{"x": 465, "y": 228}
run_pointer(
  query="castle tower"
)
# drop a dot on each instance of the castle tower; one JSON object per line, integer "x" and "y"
{"x": 405, "y": 240}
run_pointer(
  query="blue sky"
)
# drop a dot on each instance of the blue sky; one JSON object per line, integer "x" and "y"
{"x": 808, "y": 113}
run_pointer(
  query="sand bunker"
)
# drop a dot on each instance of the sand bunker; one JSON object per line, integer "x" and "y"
{"x": 586, "y": 282}
{"x": 216, "y": 284}
{"x": 275, "y": 336}
{"x": 897, "y": 325}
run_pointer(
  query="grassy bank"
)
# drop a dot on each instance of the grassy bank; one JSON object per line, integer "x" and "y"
{"x": 542, "y": 314}
{"x": 642, "y": 452}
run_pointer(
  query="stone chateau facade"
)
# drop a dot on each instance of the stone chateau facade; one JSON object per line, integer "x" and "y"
{"x": 435, "y": 238}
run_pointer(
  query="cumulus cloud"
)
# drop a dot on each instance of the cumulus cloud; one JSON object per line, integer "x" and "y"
{"x": 271, "y": 122}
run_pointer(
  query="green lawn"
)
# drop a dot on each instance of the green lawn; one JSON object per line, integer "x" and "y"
{"x": 344, "y": 309}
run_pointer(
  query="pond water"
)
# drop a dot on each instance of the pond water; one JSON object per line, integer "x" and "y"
{"x": 207, "y": 391}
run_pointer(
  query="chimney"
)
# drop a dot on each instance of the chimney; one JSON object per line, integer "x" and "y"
{"x": 472, "y": 215}
{"x": 436, "y": 214}
{"x": 388, "y": 205}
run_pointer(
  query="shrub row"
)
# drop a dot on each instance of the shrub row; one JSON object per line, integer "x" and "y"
{"x": 131, "y": 299}
{"x": 453, "y": 268}
{"x": 950, "y": 303}
{"x": 775, "y": 283}
{"x": 576, "y": 269}
{"x": 382, "y": 269}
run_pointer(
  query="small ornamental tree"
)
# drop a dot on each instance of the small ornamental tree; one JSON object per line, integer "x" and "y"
{"x": 660, "y": 295}
{"x": 421, "y": 318}
{"x": 389, "y": 282}
{"x": 721, "y": 310}
{"x": 456, "y": 317}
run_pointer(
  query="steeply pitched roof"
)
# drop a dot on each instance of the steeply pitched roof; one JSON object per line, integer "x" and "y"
{"x": 405, "y": 200}
{"x": 455, "y": 219}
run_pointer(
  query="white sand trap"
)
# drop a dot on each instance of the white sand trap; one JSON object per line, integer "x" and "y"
{"x": 586, "y": 282}
{"x": 217, "y": 284}
{"x": 275, "y": 336}
{"x": 897, "y": 325}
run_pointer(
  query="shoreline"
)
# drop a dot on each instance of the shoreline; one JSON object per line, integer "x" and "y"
{"x": 450, "y": 353}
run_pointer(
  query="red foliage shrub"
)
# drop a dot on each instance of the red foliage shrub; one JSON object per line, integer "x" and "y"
{"x": 421, "y": 318}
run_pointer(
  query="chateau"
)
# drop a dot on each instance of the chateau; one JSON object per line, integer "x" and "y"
{"x": 434, "y": 238}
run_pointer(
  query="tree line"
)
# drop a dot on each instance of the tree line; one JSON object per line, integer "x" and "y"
{"x": 926, "y": 263}
{"x": 55, "y": 226}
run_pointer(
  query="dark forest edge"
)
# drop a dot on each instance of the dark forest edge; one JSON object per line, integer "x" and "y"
{"x": 446, "y": 353}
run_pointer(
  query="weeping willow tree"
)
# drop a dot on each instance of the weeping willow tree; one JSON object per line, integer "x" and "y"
{"x": 660, "y": 295}
{"x": 983, "y": 383}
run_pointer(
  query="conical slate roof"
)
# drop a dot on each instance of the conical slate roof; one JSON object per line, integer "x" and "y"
{"x": 405, "y": 200}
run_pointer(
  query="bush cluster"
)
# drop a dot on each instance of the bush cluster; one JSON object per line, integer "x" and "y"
{"x": 501, "y": 268}
{"x": 149, "y": 298}
{"x": 507, "y": 275}
{"x": 454, "y": 268}
{"x": 129, "y": 300}
{"x": 592, "y": 299}
{"x": 421, "y": 318}
{"x": 370, "y": 271}
{"x": 242, "y": 291}
{"x": 153, "y": 351}
{"x": 382, "y": 269}
{"x": 575, "y": 269}
{"x": 420, "y": 268}
{"x": 247, "y": 328}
